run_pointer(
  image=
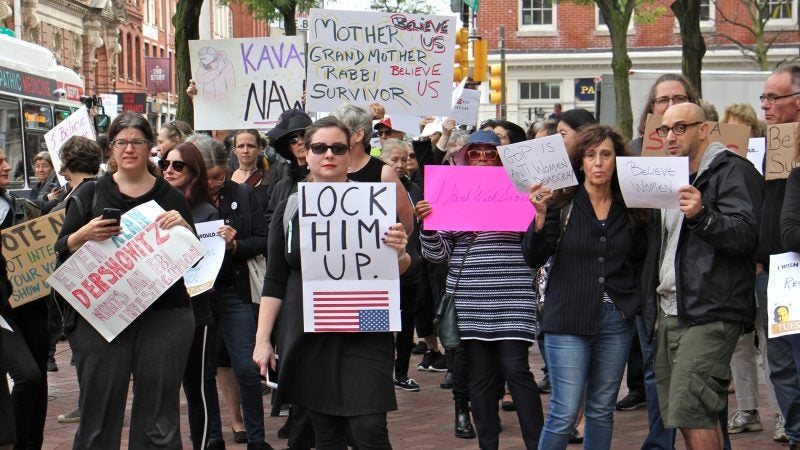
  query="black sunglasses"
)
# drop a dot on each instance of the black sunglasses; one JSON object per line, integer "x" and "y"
{"x": 320, "y": 149}
{"x": 296, "y": 139}
{"x": 177, "y": 166}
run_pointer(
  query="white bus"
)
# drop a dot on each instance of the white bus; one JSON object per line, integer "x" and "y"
{"x": 35, "y": 95}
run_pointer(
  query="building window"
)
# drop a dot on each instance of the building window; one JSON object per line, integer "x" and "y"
{"x": 150, "y": 13}
{"x": 223, "y": 21}
{"x": 138, "y": 64}
{"x": 602, "y": 26}
{"x": 540, "y": 90}
{"x": 129, "y": 54}
{"x": 537, "y": 14}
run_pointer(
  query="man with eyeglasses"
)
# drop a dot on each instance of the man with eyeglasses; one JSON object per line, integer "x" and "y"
{"x": 697, "y": 283}
{"x": 781, "y": 104}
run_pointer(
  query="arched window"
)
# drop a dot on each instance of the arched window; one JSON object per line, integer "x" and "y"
{"x": 138, "y": 64}
{"x": 129, "y": 56}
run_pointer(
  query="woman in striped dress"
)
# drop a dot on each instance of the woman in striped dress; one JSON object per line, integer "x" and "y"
{"x": 492, "y": 289}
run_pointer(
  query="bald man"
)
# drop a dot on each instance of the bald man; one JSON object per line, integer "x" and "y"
{"x": 697, "y": 281}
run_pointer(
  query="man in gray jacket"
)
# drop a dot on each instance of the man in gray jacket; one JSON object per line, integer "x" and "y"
{"x": 698, "y": 281}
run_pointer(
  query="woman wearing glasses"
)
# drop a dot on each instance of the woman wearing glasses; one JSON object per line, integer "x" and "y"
{"x": 183, "y": 168}
{"x": 669, "y": 89}
{"x": 491, "y": 287}
{"x": 592, "y": 294}
{"x": 343, "y": 379}
{"x": 245, "y": 235}
{"x": 154, "y": 347}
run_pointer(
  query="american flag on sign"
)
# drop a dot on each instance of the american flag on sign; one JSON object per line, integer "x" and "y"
{"x": 348, "y": 311}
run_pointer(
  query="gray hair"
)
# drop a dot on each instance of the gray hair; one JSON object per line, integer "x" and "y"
{"x": 212, "y": 151}
{"x": 392, "y": 144}
{"x": 459, "y": 137}
{"x": 355, "y": 118}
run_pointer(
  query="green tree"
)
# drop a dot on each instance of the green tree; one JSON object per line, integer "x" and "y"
{"x": 692, "y": 42}
{"x": 754, "y": 23}
{"x": 406, "y": 6}
{"x": 187, "y": 27}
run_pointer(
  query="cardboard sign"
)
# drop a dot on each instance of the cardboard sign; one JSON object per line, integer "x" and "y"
{"x": 465, "y": 198}
{"x": 403, "y": 61}
{"x": 652, "y": 182}
{"x": 755, "y": 153}
{"x": 30, "y": 258}
{"x": 783, "y": 302}
{"x": 781, "y": 152}
{"x": 110, "y": 283}
{"x": 77, "y": 124}
{"x": 735, "y": 137}
{"x": 465, "y": 105}
{"x": 246, "y": 83}
{"x": 200, "y": 278}
{"x": 351, "y": 279}
{"x": 544, "y": 160}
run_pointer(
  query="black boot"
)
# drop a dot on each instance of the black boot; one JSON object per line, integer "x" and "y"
{"x": 259, "y": 446}
{"x": 464, "y": 429}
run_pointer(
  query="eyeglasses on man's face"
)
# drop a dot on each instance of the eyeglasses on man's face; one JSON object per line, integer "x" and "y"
{"x": 772, "y": 99}
{"x": 677, "y": 129}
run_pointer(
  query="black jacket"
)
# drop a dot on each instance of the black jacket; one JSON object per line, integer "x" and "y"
{"x": 715, "y": 260}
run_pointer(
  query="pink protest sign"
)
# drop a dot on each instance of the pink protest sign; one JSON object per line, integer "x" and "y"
{"x": 474, "y": 199}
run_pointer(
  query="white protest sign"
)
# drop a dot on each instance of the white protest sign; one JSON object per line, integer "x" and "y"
{"x": 110, "y": 283}
{"x": 248, "y": 82}
{"x": 200, "y": 278}
{"x": 465, "y": 107}
{"x": 109, "y": 104}
{"x": 783, "y": 307}
{"x": 652, "y": 181}
{"x": 77, "y": 124}
{"x": 544, "y": 160}
{"x": 403, "y": 61}
{"x": 351, "y": 280}
{"x": 756, "y": 149}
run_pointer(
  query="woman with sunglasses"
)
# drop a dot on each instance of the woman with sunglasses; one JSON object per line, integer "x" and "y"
{"x": 287, "y": 138}
{"x": 153, "y": 349}
{"x": 245, "y": 235}
{"x": 495, "y": 308}
{"x": 592, "y": 292}
{"x": 343, "y": 379}
{"x": 248, "y": 145}
{"x": 183, "y": 168}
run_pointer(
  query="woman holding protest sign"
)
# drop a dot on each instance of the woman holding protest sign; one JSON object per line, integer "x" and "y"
{"x": 183, "y": 168}
{"x": 344, "y": 379}
{"x": 154, "y": 347}
{"x": 245, "y": 235}
{"x": 588, "y": 320}
{"x": 496, "y": 310}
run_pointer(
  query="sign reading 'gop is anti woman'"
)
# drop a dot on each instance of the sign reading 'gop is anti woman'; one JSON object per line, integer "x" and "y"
{"x": 403, "y": 61}
{"x": 110, "y": 283}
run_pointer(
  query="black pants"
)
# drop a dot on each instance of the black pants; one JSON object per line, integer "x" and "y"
{"x": 368, "y": 432}
{"x": 457, "y": 365}
{"x": 431, "y": 289}
{"x": 200, "y": 388}
{"x": 488, "y": 361}
{"x": 635, "y": 378}
{"x": 25, "y": 352}
{"x": 404, "y": 341}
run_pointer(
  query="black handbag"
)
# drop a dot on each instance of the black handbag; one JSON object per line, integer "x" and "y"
{"x": 445, "y": 321}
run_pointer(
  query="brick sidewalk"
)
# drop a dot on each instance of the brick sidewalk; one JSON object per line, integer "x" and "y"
{"x": 424, "y": 419}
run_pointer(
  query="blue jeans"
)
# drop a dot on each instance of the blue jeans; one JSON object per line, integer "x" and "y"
{"x": 783, "y": 370}
{"x": 237, "y": 322}
{"x": 590, "y": 366}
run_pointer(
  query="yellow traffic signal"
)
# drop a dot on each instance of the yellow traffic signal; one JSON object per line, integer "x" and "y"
{"x": 462, "y": 55}
{"x": 496, "y": 84}
{"x": 480, "y": 50}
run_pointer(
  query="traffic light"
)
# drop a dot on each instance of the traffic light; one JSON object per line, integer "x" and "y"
{"x": 496, "y": 84}
{"x": 462, "y": 55}
{"x": 479, "y": 54}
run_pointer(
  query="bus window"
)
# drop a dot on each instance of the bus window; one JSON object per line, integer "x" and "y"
{"x": 11, "y": 137}
{"x": 37, "y": 116}
{"x": 61, "y": 113}
{"x": 38, "y": 120}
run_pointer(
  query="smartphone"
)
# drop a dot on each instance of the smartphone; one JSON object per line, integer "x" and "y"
{"x": 272, "y": 375}
{"x": 112, "y": 213}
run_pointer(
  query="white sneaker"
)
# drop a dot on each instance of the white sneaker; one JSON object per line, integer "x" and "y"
{"x": 780, "y": 432}
{"x": 744, "y": 421}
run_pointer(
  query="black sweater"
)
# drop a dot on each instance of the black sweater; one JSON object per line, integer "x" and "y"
{"x": 790, "y": 215}
{"x": 109, "y": 196}
{"x": 591, "y": 259}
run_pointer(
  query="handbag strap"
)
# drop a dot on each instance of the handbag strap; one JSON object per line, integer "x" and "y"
{"x": 463, "y": 260}
{"x": 564, "y": 221}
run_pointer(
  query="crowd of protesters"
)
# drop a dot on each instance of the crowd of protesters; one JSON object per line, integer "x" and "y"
{"x": 677, "y": 296}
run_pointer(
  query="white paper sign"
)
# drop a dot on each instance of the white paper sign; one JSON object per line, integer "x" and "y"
{"x": 652, "y": 181}
{"x": 403, "y": 61}
{"x": 756, "y": 149}
{"x": 465, "y": 105}
{"x": 200, "y": 278}
{"x": 77, "y": 124}
{"x": 109, "y": 104}
{"x": 544, "y": 160}
{"x": 351, "y": 280}
{"x": 783, "y": 290}
{"x": 248, "y": 82}
{"x": 110, "y": 283}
